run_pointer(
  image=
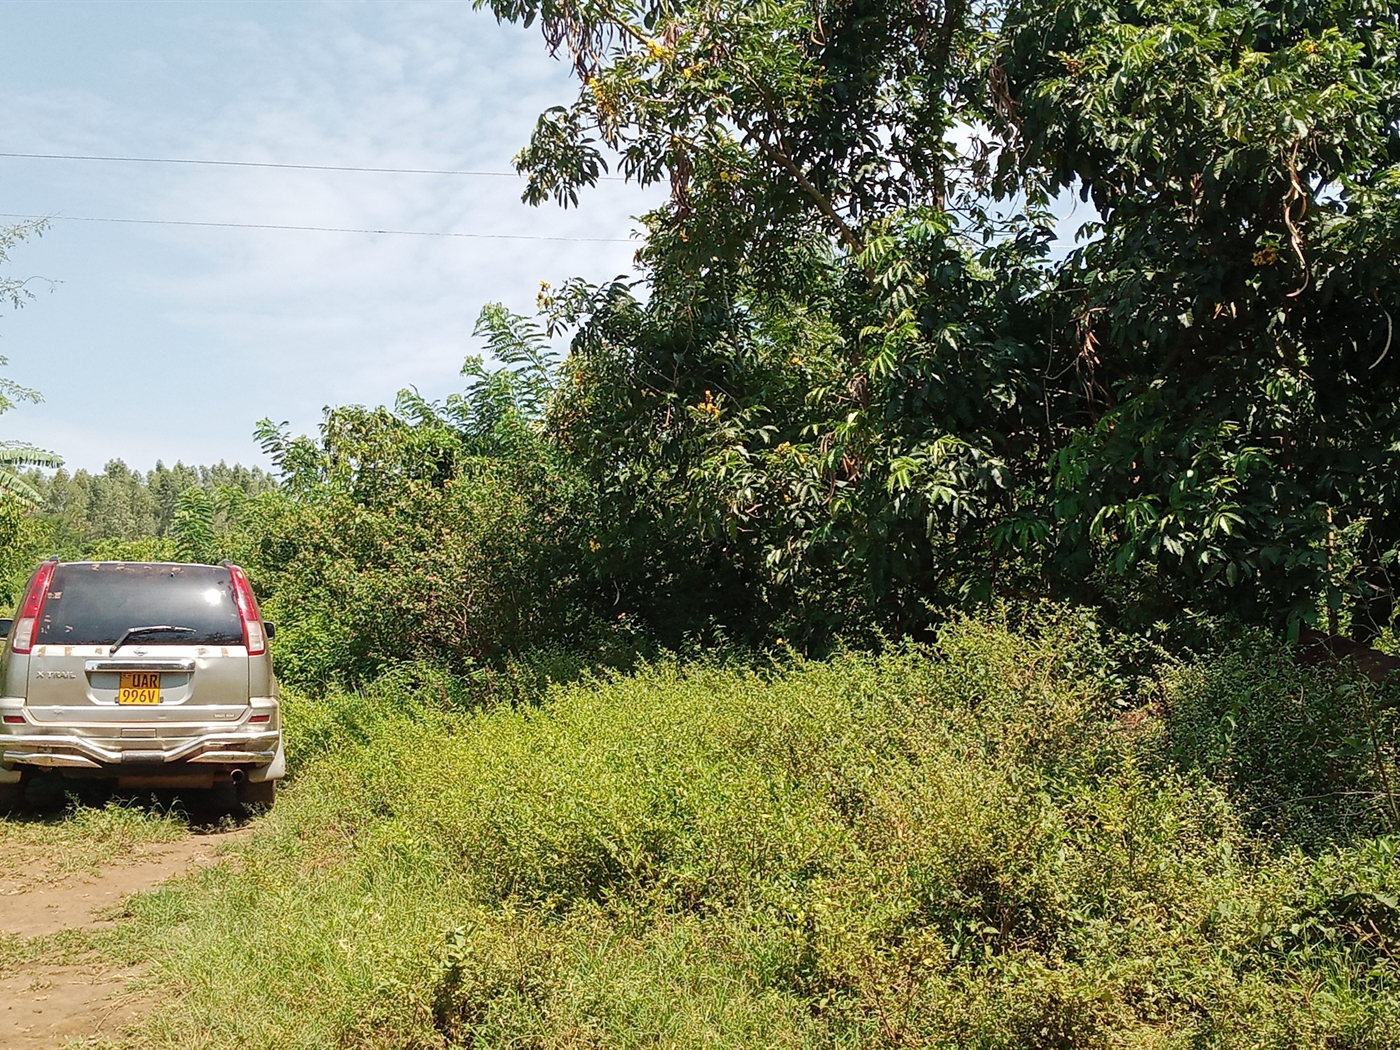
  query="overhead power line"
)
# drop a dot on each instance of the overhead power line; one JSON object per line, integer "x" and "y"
{"x": 323, "y": 229}
{"x": 271, "y": 164}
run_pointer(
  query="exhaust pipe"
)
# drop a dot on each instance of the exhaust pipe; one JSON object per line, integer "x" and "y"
{"x": 236, "y": 776}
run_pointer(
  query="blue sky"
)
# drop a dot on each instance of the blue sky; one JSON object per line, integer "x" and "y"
{"x": 160, "y": 342}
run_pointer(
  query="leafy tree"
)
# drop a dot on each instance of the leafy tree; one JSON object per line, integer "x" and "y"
{"x": 859, "y": 381}
{"x": 193, "y": 526}
{"x": 1228, "y": 326}
{"x": 13, "y": 456}
{"x": 17, "y": 454}
{"x": 823, "y": 388}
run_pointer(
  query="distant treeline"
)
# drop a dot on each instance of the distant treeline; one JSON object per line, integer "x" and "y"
{"x": 118, "y": 513}
{"x": 124, "y": 504}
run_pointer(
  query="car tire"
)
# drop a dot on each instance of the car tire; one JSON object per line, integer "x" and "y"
{"x": 262, "y": 793}
{"x": 11, "y": 797}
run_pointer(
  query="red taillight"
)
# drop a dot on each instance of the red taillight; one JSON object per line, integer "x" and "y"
{"x": 254, "y": 718}
{"x": 14, "y": 720}
{"x": 32, "y": 606}
{"x": 253, "y": 636}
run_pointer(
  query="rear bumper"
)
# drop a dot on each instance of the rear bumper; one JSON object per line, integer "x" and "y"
{"x": 60, "y": 750}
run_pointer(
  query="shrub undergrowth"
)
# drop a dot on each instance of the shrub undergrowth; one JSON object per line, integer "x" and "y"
{"x": 990, "y": 842}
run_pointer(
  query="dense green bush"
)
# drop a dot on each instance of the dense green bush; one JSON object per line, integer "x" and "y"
{"x": 979, "y": 844}
{"x": 400, "y": 540}
{"x": 1308, "y": 754}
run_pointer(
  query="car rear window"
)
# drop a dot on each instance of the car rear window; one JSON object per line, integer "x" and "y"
{"x": 94, "y": 603}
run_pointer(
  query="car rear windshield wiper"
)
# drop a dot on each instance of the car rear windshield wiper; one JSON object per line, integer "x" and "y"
{"x": 160, "y": 628}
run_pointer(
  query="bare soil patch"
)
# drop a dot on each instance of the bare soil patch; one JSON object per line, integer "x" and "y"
{"x": 83, "y": 900}
{"x": 49, "y": 1006}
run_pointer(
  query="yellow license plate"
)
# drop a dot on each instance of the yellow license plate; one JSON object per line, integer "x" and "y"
{"x": 139, "y": 687}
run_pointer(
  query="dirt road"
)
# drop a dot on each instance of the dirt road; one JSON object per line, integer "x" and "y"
{"x": 47, "y": 1006}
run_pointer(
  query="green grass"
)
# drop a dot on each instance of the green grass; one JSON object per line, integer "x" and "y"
{"x": 969, "y": 846}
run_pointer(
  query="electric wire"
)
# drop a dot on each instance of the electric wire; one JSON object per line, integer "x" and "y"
{"x": 322, "y": 229}
{"x": 272, "y": 164}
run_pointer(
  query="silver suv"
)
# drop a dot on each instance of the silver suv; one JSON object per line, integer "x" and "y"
{"x": 154, "y": 674}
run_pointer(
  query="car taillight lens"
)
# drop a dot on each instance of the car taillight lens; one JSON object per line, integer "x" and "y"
{"x": 14, "y": 720}
{"x": 253, "y": 636}
{"x": 32, "y": 606}
{"x": 260, "y": 718}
